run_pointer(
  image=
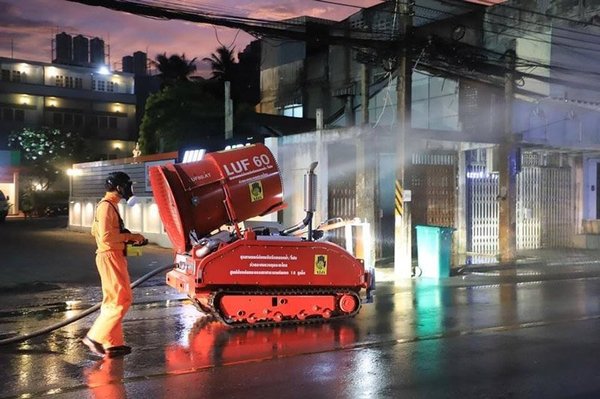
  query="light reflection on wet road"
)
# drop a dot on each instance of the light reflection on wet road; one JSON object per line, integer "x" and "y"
{"x": 418, "y": 339}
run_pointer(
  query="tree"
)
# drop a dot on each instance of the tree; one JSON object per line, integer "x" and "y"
{"x": 222, "y": 64}
{"x": 174, "y": 69}
{"x": 178, "y": 115}
{"x": 243, "y": 75}
{"x": 186, "y": 112}
{"x": 247, "y": 80}
{"x": 47, "y": 152}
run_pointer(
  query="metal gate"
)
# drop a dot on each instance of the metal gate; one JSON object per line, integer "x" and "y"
{"x": 545, "y": 208}
{"x": 341, "y": 187}
{"x": 482, "y": 204}
{"x": 433, "y": 186}
{"x": 545, "y": 211}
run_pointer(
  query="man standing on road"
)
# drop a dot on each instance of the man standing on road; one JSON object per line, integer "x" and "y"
{"x": 105, "y": 338}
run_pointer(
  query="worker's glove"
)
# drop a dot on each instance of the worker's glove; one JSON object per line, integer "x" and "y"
{"x": 138, "y": 239}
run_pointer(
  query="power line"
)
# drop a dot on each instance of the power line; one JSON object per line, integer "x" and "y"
{"x": 489, "y": 11}
{"x": 523, "y": 29}
{"x": 200, "y": 6}
{"x": 184, "y": 7}
{"x": 504, "y": 5}
{"x": 295, "y": 29}
{"x": 221, "y": 43}
{"x": 488, "y": 5}
{"x": 556, "y": 66}
{"x": 269, "y": 28}
{"x": 530, "y": 62}
{"x": 528, "y": 75}
{"x": 339, "y": 4}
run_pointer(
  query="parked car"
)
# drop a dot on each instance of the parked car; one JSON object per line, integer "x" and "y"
{"x": 3, "y": 206}
{"x": 56, "y": 209}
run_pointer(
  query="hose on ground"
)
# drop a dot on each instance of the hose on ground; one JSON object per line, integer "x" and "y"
{"x": 25, "y": 337}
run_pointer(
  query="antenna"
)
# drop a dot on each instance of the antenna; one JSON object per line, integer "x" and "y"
{"x": 108, "y": 49}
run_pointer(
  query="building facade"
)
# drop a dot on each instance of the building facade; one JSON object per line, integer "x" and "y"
{"x": 458, "y": 121}
{"x": 97, "y": 103}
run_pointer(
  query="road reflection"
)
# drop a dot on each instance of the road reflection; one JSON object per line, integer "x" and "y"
{"x": 210, "y": 343}
{"x": 105, "y": 379}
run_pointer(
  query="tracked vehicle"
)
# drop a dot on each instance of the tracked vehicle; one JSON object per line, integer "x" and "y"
{"x": 252, "y": 273}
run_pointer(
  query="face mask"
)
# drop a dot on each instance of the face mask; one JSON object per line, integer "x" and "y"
{"x": 131, "y": 201}
{"x": 126, "y": 191}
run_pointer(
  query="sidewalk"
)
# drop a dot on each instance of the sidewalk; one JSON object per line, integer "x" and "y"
{"x": 547, "y": 261}
{"x": 529, "y": 265}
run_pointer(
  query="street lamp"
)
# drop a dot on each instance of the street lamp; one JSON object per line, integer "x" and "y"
{"x": 103, "y": 70}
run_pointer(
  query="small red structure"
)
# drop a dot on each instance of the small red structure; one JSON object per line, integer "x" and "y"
{"x": 251, "y": 275}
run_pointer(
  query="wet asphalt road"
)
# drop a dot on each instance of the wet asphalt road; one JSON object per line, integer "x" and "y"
{"x": 503, "y": 336}
{"x": 43, "y": 251}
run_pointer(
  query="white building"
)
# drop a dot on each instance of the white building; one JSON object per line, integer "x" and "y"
{"x": 93, "y": 101}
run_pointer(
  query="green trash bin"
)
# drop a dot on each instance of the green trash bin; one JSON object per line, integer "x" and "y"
{"x": 434, "y": 250}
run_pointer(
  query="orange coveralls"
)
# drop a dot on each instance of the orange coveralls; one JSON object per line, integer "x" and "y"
{"x": 112, "y": 267}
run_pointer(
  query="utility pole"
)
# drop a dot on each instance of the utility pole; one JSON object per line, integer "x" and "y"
{"x": 365, "y": 80}
{"x": 402, "y": 222}
{"x": 507, "y": 231}
{"x": 366, "y": 205}
{"x": 228, "y": 112}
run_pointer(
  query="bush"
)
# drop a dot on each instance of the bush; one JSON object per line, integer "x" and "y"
{"x": 35, "y": 203}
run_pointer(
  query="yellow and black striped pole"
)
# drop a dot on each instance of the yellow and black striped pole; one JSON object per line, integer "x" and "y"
{"x": 402, "y": 230}
{"x": 399, "y": 199}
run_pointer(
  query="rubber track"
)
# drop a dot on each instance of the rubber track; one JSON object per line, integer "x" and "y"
{"x": 286, "y": 292}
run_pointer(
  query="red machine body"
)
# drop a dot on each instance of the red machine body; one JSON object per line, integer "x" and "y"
{"x": 249, "y": 276}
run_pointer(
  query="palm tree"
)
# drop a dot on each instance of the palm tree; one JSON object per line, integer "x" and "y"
{"x": 174, "y": 69}
{"x": 222, "y": 64}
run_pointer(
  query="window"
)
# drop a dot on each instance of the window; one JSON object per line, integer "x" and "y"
{"x": 92, "y": 120}
{"x": 293, "y": 110}
{"x": 112, "y": 122}
{"x": 19, "y": 115}
{"x": 78, "y": 83}
{"x": 93, "y": 84}
{"x": 434, "y": 102}
{"x": 59, "y": 81}
{"x": 102, "y": 122}
{"x": 101, "y": 85}
{"x": 11, "y": 114}
{"x": 57, "y": 118}
{"x": 7, "y": 114}
{"x": 69, "y": 82}
{"x": 9, "y": 75}
{"x": 110, "y": 86}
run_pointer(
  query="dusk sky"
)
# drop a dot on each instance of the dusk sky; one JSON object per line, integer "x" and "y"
{"x": 27, "y": 26}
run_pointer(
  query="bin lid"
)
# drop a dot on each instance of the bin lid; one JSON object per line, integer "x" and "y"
{"x": 430, "y": 226}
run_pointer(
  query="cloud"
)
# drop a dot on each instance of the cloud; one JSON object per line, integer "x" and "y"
{"x": 278, "y": 10}
{"x": 12, "y": 16}
{"x": 125, "y": 33}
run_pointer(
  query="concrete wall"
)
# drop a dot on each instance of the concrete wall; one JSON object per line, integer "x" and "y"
{"x": 87, "y": 189}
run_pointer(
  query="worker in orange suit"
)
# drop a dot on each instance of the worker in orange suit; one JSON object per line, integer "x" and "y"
{"x": 105, "y": 338}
